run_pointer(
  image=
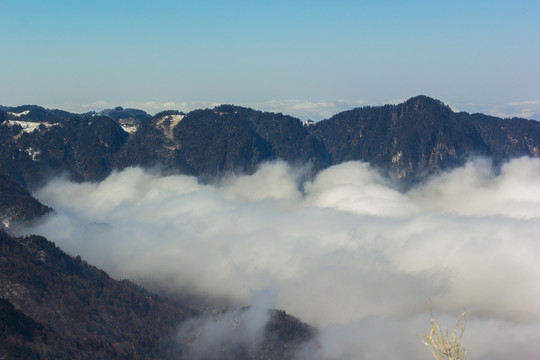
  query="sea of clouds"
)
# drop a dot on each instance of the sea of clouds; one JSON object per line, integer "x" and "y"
{"x": 344, "y": 251}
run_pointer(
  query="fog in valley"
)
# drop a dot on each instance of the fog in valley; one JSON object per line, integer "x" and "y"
{"x": 344, "y": 251}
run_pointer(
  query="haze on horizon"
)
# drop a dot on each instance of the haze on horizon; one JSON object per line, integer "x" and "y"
{"x": 305, "y": 58}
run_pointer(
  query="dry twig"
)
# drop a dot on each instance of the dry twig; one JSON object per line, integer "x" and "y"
{"x": 442, "y": 344}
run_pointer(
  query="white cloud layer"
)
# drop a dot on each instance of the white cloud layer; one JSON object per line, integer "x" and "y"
{"x": 309, "y": 110}
{"x": 303, "y": 109}
{"x": 528, "y": 109}
{"x": 344, "y": 252}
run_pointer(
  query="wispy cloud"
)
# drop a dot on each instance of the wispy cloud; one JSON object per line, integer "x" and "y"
{"x": 529, "y": 109}
{"x": 526, "y": 109}
{"x": 218, "y": 336}
{"x": 313, "y": 110}
{"x": 153, "y": 107}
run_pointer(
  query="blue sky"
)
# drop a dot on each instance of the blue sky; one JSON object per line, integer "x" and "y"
{"x": 308, "y": 58}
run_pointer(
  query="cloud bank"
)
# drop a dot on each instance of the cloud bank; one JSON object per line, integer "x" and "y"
{"x": 344, "y": 252}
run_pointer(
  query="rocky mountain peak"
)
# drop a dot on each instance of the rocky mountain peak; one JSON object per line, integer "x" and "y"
{"x": 423, "y": 108}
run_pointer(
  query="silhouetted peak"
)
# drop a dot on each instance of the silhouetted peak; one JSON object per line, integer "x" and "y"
{"x": 421, "y": 102}
{"x": 135, "y": 116}
{"x": 165, "y": 113}
{"x": 425, "y": 104}
{"x": 230, "y": 109}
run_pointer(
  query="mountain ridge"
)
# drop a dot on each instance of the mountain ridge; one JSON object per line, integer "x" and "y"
{"x": 407, "y": 142}
{"x": 419, "y": 137}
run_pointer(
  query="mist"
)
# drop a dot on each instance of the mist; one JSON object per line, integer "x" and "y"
{"x": 345, "y": 251}
{"x": 228, "y": 334}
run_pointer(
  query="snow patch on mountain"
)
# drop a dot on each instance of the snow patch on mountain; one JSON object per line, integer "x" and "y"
{"x": 167, "y": 124}
{"x": 28, "y": 126}
{"x": 23, "y": 113}
{"x": 131, "y": 129}
{"x": 33, "y": 153}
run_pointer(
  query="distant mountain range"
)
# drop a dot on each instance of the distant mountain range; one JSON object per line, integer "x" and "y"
{"x": 53, "y": 305}
{"x": 406, "y": 142}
